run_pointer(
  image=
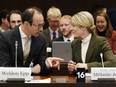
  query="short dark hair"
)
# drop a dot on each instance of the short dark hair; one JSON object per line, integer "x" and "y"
{"x": 3, "y": 14}
{"x": 28, "y": 14}
{"x": 14, "y": 11}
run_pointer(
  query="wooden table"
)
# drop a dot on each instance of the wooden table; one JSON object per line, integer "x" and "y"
{"x": 70, "y": 82}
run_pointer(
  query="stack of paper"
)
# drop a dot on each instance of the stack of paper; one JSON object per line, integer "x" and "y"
{"x": 47, "y": 80}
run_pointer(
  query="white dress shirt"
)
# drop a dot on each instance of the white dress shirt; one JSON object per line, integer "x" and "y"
{"x": 66, "y": 39}
{"x": 23, "y": 38}
{"x": 51, "y": 33}
{"x": 1, "y": 30}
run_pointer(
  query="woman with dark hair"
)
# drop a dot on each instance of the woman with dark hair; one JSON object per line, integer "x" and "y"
{"x": 104, "y": 28}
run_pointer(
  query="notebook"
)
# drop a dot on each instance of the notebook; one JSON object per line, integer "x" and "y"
{"x": 62, "y": 49}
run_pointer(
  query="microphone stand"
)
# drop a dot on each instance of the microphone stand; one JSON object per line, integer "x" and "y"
{"x": 16, "y": 47}
{"x": 102, "y": 59}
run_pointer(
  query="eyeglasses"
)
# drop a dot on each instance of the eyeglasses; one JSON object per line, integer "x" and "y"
{"x": 53, "y": 21}
{"x": 38, "y": 26}
{"x": 19, "y": 21}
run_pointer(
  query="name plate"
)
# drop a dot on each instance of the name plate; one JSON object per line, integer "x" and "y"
{"x": 107, "y": 73}
{"x": 49, "y": 49}
{"x": 7, "y": 73}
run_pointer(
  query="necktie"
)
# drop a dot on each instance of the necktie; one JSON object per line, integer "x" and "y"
{"x": 26, "y": 48}
{"x": 68, "y": 40}
{"x": 54, "y": 35}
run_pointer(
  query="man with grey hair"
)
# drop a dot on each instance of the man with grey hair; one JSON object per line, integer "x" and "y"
{"x": 52, "y": 32}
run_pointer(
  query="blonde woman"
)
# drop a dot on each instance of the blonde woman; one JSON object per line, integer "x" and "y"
{"x": 88, "y": 49}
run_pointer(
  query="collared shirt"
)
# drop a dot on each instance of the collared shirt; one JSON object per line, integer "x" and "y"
{"x": 23, "y": 36}
{"x": 84, "y": 47}
{"x": 66, "y": 39}
{"x": 1, "y": 30}
{"x": 51, "y": 33}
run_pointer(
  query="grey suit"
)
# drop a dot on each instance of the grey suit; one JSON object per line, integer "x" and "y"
{"x": 97, "y": 45}
{"x": 46, "y": 33}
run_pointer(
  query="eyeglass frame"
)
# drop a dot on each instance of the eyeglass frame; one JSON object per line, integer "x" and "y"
{"x": 18, "y": 21}
{"x": 39, "y": 26}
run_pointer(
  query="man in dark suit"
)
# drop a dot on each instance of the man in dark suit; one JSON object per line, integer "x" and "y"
{"x": 90, "y": 49}
{"x": 52, "y": 32}
{"x": 13, "y": 41}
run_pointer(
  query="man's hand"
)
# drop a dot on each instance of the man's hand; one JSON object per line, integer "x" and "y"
{"x": 54, "y": 61}
{"x": 36, "y": 69}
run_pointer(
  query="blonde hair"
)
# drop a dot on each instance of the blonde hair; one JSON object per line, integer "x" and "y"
{"x": 66, "y": 17}
{"x": 53, "y": 11}
{"x": 83, "y": 18}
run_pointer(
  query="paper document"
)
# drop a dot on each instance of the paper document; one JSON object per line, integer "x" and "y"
{"x": 88, "y": 74}
{"x": 48, "y": 80}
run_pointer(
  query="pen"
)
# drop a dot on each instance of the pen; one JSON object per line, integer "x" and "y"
{"x": 58, "y": 67}
{"x": 71, "y": 62}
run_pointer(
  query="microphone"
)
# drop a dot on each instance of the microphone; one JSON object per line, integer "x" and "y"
{"x": 16, "y": 47}
{"x": 102, "y": 59}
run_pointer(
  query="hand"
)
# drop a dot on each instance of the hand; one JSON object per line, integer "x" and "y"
{"x": 54, "y": 61}
{"x": 81, "y": 65}
{"x": 71, "y": 66}
{"x": 36, "y": 69}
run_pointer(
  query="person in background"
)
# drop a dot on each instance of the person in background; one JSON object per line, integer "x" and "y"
{"x": 66, "y": 29}
{"x": 14, "y": 18}
{"x": 52, "y": 32}
{"x": 31, "y": 45}
{"x": 4, "y": 24}
{"x": 90, "y": 48}
{"x": 111, "y": 13}
{"x": 104, "y": 28}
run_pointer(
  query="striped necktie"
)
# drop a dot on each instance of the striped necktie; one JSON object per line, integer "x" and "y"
{"x": 26, "y": 48}
{"x": 54, "y": 35}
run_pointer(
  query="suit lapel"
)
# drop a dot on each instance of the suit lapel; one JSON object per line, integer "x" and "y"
{"x": 33, "y": 45}
{"x": 77, "y": 51}
{"x": 90, "y": 49}
{"x": 48, "y": 35}
{"x": 17, "y": 37}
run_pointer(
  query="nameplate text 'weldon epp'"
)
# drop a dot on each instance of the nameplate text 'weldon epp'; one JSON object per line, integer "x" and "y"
{"x": 15, "y": 72}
